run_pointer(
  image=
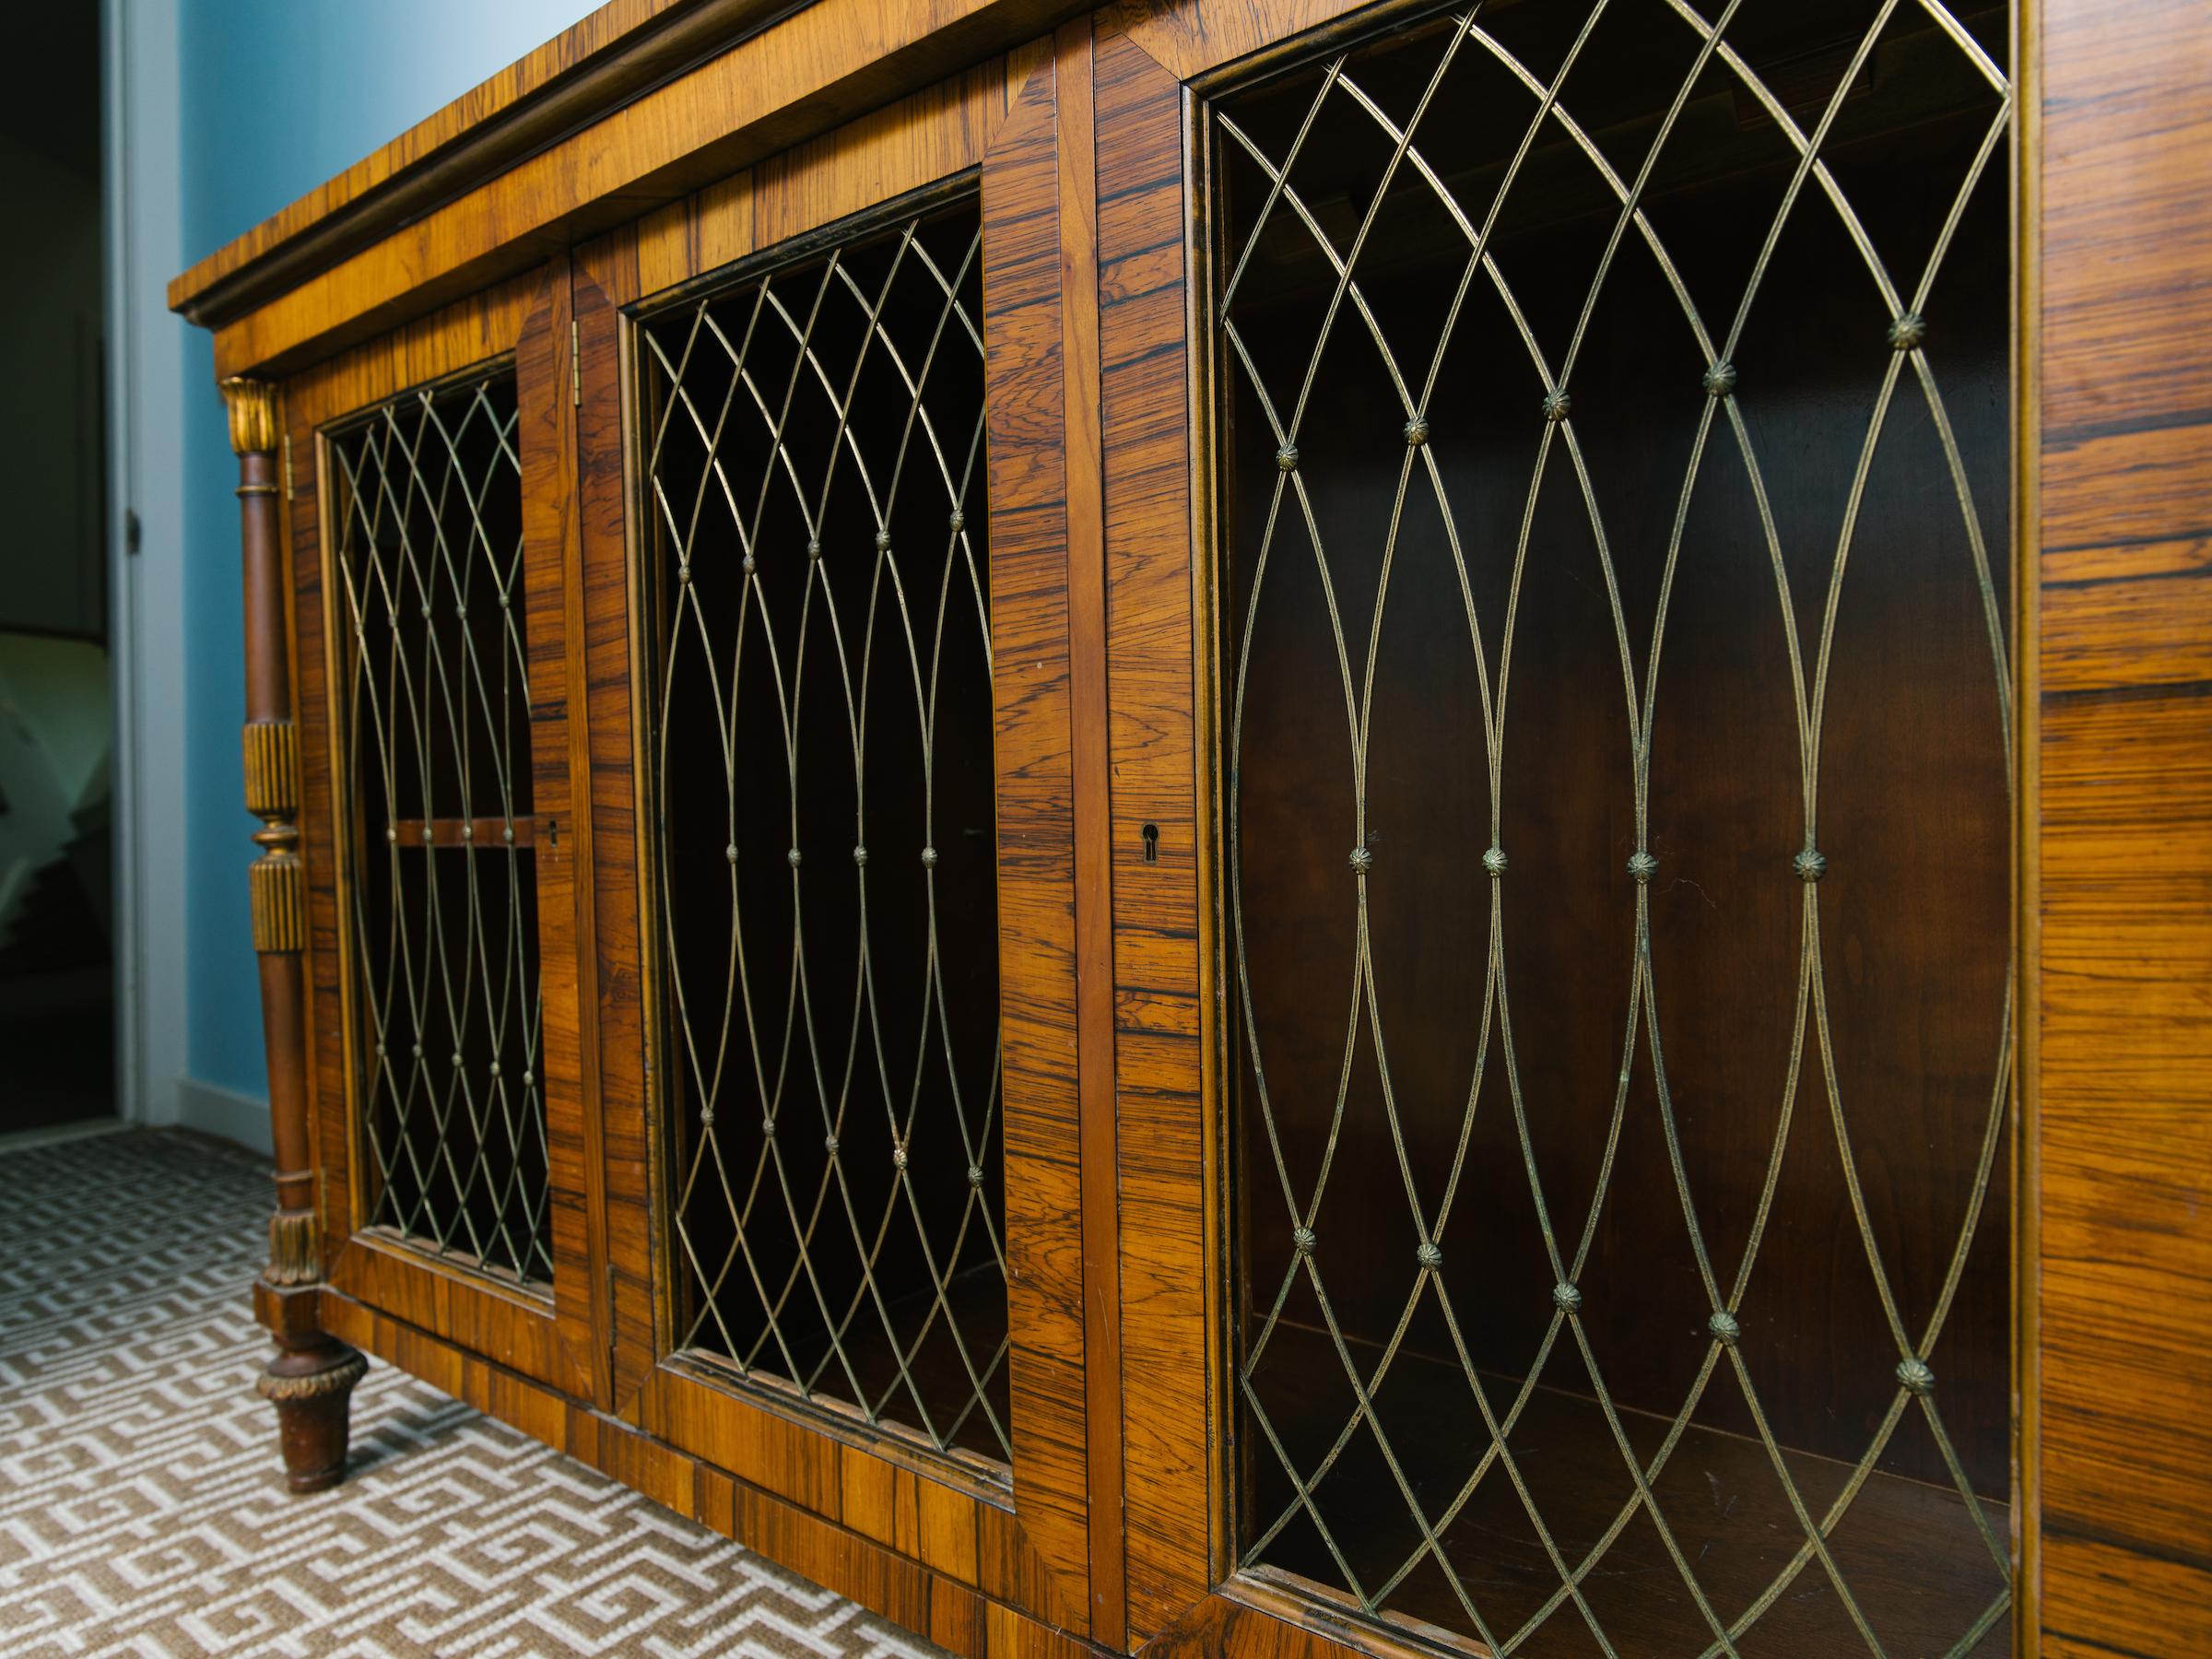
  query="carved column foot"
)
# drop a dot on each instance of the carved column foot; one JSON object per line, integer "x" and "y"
{"x": 313, "y": 1391}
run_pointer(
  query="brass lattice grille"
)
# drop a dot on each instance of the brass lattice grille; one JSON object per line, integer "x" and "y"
{"x": 1619, "y": 1213}
{"x": 823, "y": 772}
{"x": 427, "y": 504}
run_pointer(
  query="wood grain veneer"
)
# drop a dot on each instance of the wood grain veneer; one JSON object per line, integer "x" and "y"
{"x": 889, "y": 1542}
{"x": 2119, "y": 1382}
{"x": 1164, "y": 1123}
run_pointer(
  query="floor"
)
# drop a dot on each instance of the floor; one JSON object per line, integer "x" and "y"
{"x": 143, "y": 1514}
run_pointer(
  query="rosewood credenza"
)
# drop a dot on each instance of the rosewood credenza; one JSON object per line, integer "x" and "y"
{"x": 1268, "y": 826}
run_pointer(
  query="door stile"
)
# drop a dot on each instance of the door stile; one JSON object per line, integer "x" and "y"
{"x": 1167, "y": 1243}
{"x": 631, "y": 1288}
{"x": 561, "y": 777}
{"x": 1076, "y": 143}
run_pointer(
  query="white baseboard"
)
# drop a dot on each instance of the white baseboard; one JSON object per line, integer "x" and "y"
{"x": 225, "y": 1113}
{"x": 22, "y": 1139}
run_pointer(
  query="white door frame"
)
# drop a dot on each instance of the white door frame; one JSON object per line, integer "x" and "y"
{"x": 146, "y": 374}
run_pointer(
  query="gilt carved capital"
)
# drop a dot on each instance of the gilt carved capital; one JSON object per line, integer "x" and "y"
{"x": 253, "y": 406}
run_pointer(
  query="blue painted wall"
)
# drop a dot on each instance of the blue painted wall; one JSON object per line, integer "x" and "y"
{"x": 275, "y": 97}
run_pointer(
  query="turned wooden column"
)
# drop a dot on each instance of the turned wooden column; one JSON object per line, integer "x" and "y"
{"x": 310, "y": 1380}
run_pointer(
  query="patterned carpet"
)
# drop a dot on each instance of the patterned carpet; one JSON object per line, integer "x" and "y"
{"x": 143, "y": 1511}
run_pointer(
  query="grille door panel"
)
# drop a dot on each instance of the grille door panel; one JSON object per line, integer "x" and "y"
{"x": 1614, "y": 723}
{"x": 822, "y": 772}
{"x": 436, "y": 748}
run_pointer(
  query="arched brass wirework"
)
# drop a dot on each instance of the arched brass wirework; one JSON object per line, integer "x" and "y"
{"x": 436, "y": 737}
{"x": 814, "y": 475}
{"x": 1274, "y": 371}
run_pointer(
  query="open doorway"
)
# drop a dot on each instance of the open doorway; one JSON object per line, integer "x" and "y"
{"x": 57, "y": 1004}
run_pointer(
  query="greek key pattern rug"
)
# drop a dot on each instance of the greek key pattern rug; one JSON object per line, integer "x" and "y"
{"x": 143, "y": 1509}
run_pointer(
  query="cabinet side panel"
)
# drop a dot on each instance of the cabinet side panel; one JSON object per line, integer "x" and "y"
{"x": 2123, "y": 1126}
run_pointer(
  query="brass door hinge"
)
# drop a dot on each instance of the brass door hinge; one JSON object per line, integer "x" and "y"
{"x": 288, "y": 466}
{"x": 576, "y": 367}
